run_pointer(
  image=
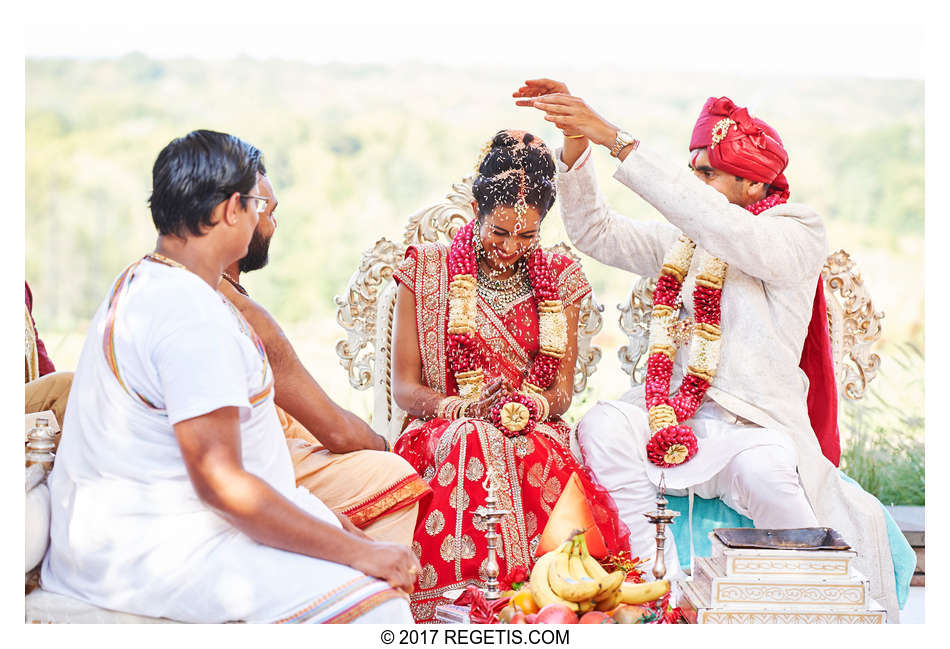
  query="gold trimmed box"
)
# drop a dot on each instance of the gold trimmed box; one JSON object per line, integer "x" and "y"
{"x": 799, "y": 564}
{"x": 696, "y": 610}
{"x": 785, "y": 591}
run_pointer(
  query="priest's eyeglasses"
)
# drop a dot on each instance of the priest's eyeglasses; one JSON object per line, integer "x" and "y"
{"x": 261, "y": 202}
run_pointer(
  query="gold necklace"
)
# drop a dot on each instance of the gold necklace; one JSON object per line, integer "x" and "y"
{"x": 237, "y": 286}
{"x": 162, "y": 259}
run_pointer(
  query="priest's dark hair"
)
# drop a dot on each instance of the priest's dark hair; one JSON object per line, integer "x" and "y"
{"x": 194, "y": 173}
{"x": 514, "y": 157}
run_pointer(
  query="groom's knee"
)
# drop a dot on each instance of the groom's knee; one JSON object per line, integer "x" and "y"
{"x": 603, "y": 431}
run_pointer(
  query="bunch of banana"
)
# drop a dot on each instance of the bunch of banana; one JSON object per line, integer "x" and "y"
{"x": 569, "y": 575}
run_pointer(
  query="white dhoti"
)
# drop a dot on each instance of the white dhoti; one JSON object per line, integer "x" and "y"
{"x": 751, "y": 468}
{"x": 128, "y": 530}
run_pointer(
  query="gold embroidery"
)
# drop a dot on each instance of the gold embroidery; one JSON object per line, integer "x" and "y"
{"x": 428, "y": 576}
{"x": 475, "y": 470}
{"x": 552, "y": 489}
{"x": 406, "y": 272}
{"x": 448, "y": 548}
{"x": 572, "y": 284}
{"x": 431, "y": 312}
{"x": 518, "y": 554}
{"x": 531, "y": 523}
{"x": 417, "y": 549}
{"x": 521, "y": 446}
{"x": 458, "y": 499}
{"x": 446, "y": 474}
{"x": 364, "y": 514}
{"x": 535, "y": 475}
{"x": 467, "y": 547}
{"x": 460, "y": 488}
{"x": 445, "y": 443}
{"x": 422, "y": 610}
{"x": 435, "y": 523}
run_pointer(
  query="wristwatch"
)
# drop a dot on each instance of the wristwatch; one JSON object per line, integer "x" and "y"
{"x": 623, "y": 139}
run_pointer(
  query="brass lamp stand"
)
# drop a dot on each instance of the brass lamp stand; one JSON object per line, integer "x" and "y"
{"x": 492, "y": 515}
{"x": 661, "y": 517}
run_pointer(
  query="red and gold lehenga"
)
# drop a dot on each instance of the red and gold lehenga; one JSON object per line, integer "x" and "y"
{"x": 452, "y": 456}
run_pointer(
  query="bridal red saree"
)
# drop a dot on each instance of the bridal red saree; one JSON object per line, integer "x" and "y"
{"x": 455, "y": 456}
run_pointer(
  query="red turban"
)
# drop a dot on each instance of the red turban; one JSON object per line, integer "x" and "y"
{"x": 741, "y": 144}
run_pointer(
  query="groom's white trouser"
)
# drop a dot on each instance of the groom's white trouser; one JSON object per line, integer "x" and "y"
{"x": 759, "y": 482}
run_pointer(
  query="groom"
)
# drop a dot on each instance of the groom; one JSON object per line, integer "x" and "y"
{"x": 742, "y": 264}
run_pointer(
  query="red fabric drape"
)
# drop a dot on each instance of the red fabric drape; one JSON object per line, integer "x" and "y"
{"x": 818, "y": 365}
{"x": 45, "y": 362}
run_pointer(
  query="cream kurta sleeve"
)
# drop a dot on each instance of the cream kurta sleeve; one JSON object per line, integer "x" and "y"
{"x": 779, "y": 245}
{"x": 602, "y": 233}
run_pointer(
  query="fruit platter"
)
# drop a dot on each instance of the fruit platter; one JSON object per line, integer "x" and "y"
{"x": 569, "y": 586}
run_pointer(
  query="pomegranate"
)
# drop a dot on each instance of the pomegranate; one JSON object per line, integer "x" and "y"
{"x": 556, "y": 614}
{"x": 596, "y": 617}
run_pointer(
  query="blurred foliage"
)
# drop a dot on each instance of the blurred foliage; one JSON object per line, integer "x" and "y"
{"x": 884, "y": 449}
{"x": 352, "y": 150}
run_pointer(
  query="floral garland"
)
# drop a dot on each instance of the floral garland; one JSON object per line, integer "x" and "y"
{"x": 673, "y": 442}
{"x": 519, "y": 412}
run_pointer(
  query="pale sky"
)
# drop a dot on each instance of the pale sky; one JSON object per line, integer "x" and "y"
{"x": 836, "y": 41}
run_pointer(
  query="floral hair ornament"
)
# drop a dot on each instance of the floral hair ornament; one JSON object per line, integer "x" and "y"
{"x": 720, "y": 130}
{"x": 482, "y": 153}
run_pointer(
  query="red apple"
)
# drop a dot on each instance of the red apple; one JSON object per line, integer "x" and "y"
{"x": 518, "y": 618}
{"x": 532, "y": 618}
{"x": 596, "y": 617}
{"x": 556, "y": 614}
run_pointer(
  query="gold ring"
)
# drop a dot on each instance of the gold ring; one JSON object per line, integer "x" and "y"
{"x": 413, "y": 570}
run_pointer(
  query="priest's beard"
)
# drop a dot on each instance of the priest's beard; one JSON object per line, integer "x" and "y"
{"x": 256, "y": 257}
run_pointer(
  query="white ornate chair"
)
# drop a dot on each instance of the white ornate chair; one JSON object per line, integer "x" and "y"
{"x": 853, "y": 325}
{"x": 365, "y": 310}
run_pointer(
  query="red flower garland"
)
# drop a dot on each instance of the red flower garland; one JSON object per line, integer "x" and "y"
{"x": 675, "y": 444}
{"x": 463, "y": 353}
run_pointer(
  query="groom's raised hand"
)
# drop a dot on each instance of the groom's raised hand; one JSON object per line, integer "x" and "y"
{"x": 573, "y": 116}
{"x": 537, "y": 88}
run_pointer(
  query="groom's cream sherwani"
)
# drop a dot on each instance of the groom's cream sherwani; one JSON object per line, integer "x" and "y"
{"x": 774, "y": 263}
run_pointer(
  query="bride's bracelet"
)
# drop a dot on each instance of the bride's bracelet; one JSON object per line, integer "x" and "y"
{"x": 540, "y": 403}
{"x": 452, "y": 408}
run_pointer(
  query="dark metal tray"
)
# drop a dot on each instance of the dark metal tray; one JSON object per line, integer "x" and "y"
{"x": 801, "y": 538}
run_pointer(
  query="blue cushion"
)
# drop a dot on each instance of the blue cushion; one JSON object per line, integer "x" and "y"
{"x": 710, "y": 514}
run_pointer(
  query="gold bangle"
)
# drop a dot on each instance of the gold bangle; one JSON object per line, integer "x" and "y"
{"x": 574, "y": 137}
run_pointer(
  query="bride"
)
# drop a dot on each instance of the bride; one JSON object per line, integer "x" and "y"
{"x": 485, "y": 345}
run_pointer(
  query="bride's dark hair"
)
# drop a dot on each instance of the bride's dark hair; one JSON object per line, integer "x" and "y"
{"x": 514, "y": 157}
